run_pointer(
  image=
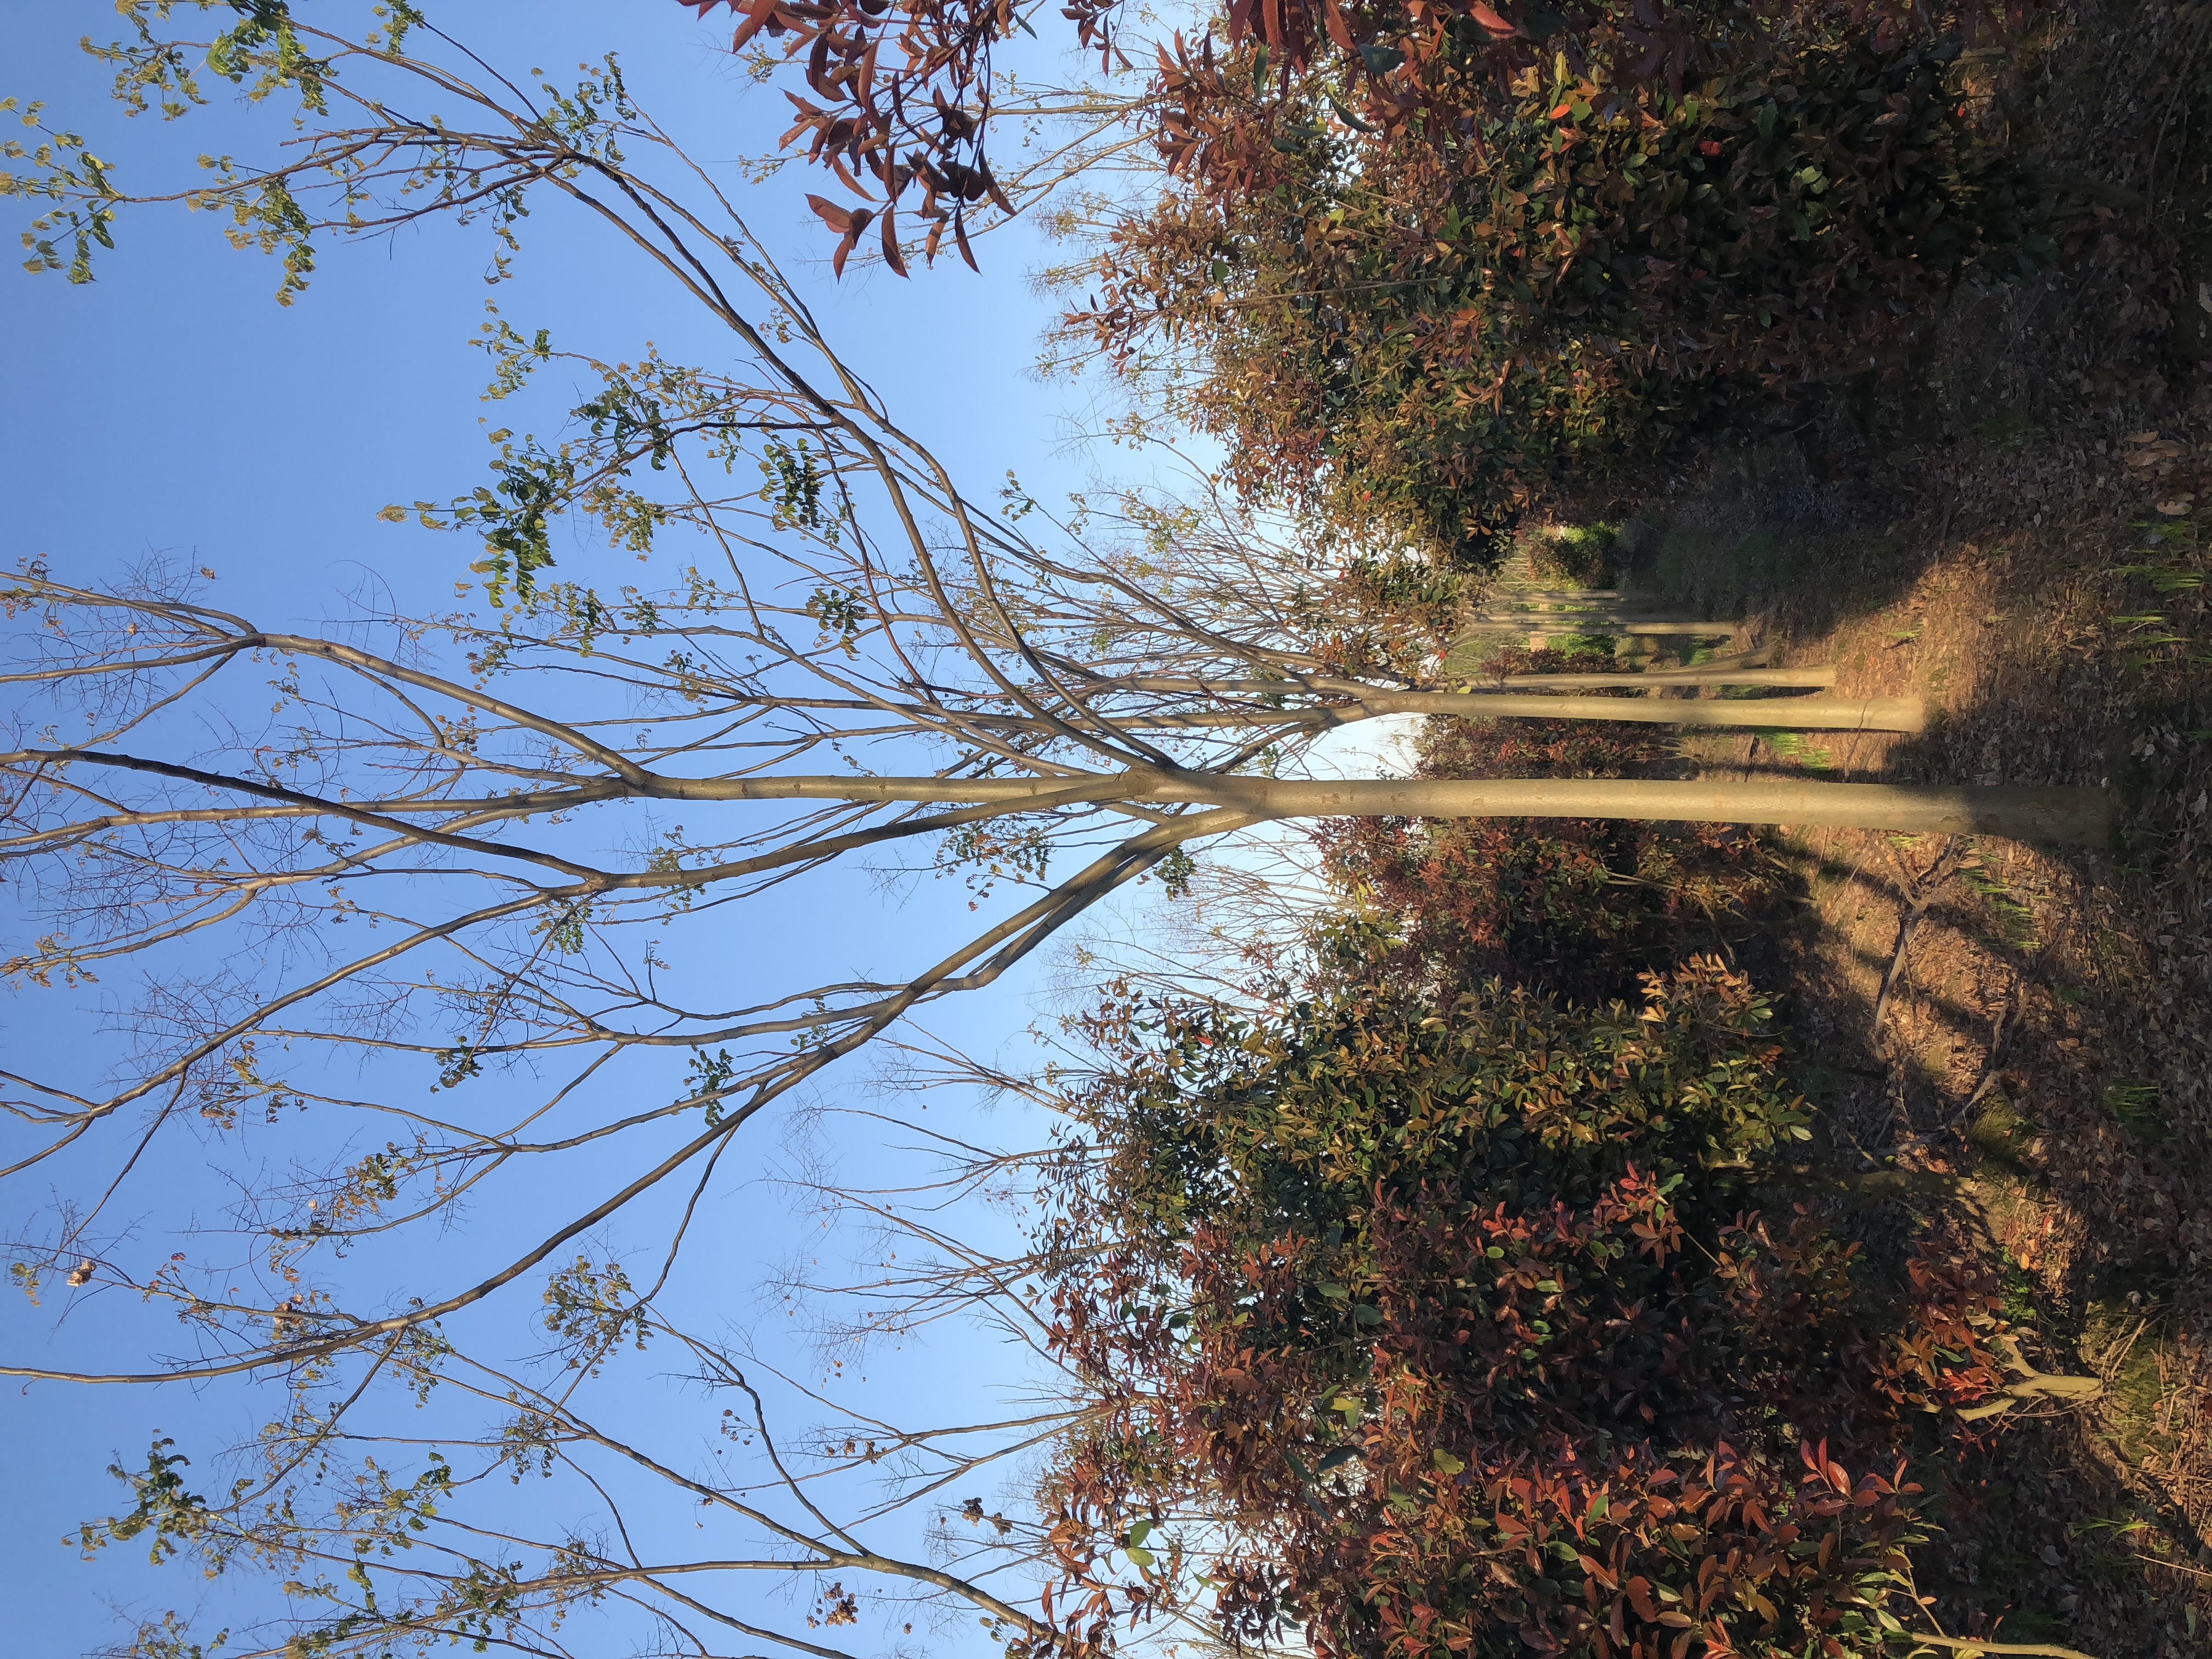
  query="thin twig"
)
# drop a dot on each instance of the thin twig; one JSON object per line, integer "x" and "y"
{"x": 2171, "y": 1566}
{"x": 2113, "y": 1371}
{"x": 2006, "y": 1027}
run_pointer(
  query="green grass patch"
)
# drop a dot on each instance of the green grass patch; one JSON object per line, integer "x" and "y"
{"x": 2000, "y": 1135}
{"x": 2137, "y": 1109}
{"x": 2013, "y": 916}
{"x": 2130, "y": 1335}
{"x": 1801, "y": 751}
{"x": 2018, "y": 1303}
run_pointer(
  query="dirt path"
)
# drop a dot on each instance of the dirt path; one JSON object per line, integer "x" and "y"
{"x": 2046, "y": 1034}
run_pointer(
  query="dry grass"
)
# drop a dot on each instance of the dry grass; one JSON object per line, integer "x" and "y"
{"x": 2049, "y": 1038}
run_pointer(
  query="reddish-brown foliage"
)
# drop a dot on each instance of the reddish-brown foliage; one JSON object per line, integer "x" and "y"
{"x": 906, "y": 85}
{"x": 1577, "y": 906}
{"x": 1432, "y": 1332}
{"x": 1432, "y": 327}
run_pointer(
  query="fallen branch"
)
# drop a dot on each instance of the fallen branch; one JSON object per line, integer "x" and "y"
{"x": 1966, "y": 1645}
{"x": 2032, "y": 1385}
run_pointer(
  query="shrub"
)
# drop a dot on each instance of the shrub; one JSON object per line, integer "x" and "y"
{"x": 1579, "y": 906}
{"x": 1572, "y": 556}
{"x": 1432, "y": 331}
{"x": 1440, "y": 1323}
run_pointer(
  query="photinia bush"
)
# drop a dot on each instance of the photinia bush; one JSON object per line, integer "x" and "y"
{"x": 1578, "y": 906}
{"x": 1426, "y": 1330}
{"x": 1432, "y": 331}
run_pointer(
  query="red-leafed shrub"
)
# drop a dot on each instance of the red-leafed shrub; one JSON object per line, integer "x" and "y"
{"x": 1551, "y": 277}
{"x": 1432, "y": 1330}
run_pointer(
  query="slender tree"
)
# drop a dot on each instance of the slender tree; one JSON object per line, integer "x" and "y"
{"x": 1038, "y": 687}
{"x": 1066, "y": 704}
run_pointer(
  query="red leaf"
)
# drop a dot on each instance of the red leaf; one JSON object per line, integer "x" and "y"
{"x": 833, "y": 215}
{"x": 1333, "y": 17}
{"x": 1490, "y": 20}
{"x": 892, "y": 257}
{"x": 757, "y": 19}
{"x": 860, "y": 221}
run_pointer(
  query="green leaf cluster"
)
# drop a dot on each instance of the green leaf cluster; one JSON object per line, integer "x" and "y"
{"x": 1299, "y": 1127}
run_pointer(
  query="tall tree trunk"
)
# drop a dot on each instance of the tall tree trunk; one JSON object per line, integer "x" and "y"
{"x": 2023, "y": 813}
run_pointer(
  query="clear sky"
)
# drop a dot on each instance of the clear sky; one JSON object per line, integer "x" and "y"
{"x": 172, "y": 406}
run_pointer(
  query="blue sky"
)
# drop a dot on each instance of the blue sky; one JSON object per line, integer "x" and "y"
{"x": 172, "y": 407}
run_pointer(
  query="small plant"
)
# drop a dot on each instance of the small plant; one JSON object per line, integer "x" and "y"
{"x": 1797, "y": 748}
{"x": 2017, "y": 1301}
{"x": 2122, "y": 1536}
{"x": 2136, "y": 1107}
{"x": 2164, "y": 578}
{"x": 2015, "y": 919}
